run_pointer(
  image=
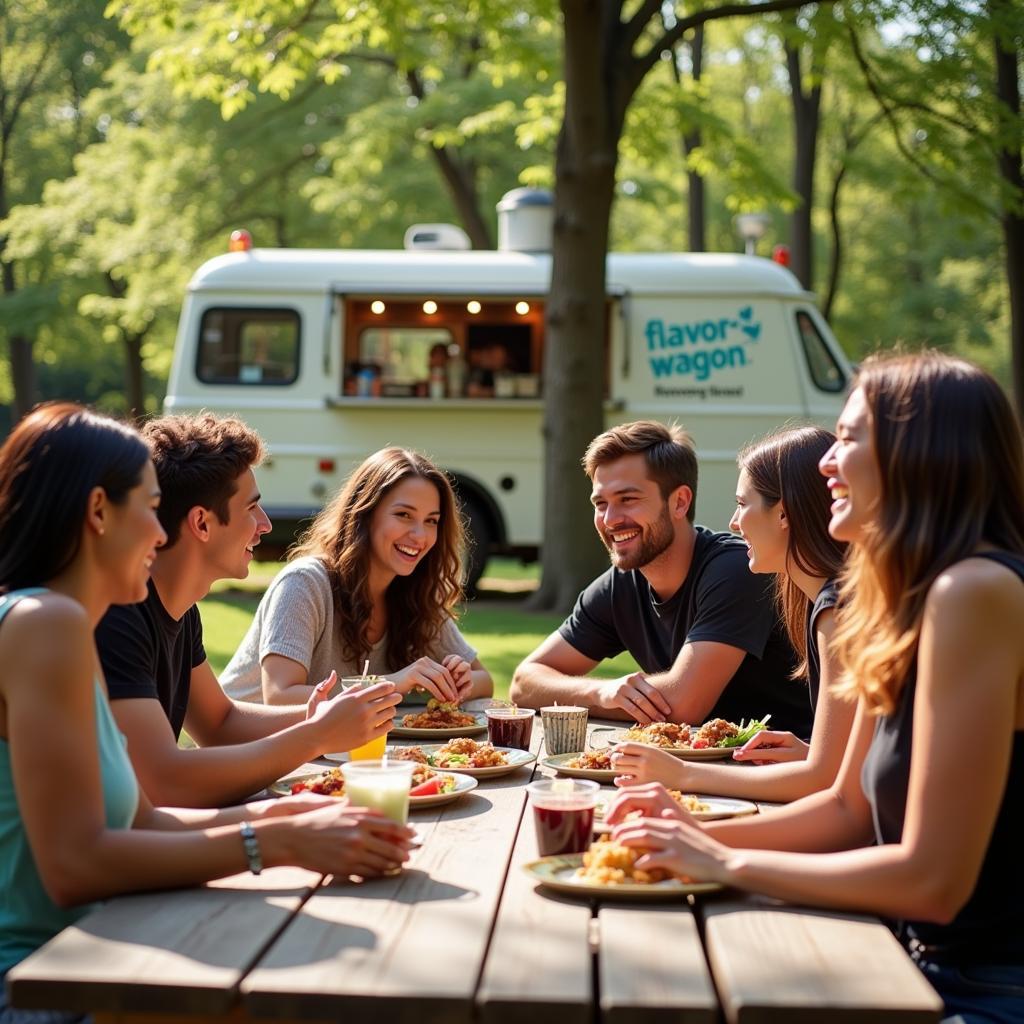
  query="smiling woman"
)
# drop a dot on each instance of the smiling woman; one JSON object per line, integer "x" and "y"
{"x": 373, "y": 583}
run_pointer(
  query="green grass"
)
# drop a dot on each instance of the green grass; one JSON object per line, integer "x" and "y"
{"x": 502, "y": 631}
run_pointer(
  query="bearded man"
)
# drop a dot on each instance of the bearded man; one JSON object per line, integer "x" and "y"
{"x": 678, "y": 597}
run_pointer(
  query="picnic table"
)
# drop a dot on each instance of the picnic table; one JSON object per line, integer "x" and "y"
{"x": 464, "y": 935}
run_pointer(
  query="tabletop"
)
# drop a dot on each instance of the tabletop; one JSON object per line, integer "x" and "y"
{"x": 463, "y": 934}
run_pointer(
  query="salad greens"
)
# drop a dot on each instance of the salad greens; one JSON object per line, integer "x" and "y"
{"x": 746, "y": 732}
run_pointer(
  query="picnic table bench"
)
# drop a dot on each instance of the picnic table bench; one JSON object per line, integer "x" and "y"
{"x": 464, "y": 935}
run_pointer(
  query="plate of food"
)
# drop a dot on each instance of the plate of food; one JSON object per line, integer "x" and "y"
{"x": 464, "y": 755}
{"x": 587, "y": 764}
{"x": 703, "y": 808}
{"x": 429, "y": 787}
{"x": 439, "y": 721}
{"x": 714, "y": 740}
{"x": 608, "y": 871}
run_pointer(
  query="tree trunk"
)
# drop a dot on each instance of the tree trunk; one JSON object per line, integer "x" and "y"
{"x": 695, "y": 193}
{"x": 574, "y": 363}
{"x": 23, "y": 367}
{"x": 462, "y": 189}
{"x": 1011, "y": 170}
{"x": 835, "y": 260}
{"x": 806, "y": 119}
{"x": 133, "y": 374}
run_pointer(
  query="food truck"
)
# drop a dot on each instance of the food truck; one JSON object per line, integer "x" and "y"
{"x": 332, "y": 354}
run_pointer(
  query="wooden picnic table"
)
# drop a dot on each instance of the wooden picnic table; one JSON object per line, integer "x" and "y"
{"x": 464, "y": 935}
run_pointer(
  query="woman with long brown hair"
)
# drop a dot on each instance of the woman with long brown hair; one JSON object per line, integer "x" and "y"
{"x": 376, "y": 578}
{"x": 927, "y": 482}
{"x": 782, "y": 512}
{"x": 79, "y": 532}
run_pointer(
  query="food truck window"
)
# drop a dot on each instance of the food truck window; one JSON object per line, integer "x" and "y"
{"x": 401, "y": 356}
{"x": 824, "y": 369}
{"x": 248, "y": 346}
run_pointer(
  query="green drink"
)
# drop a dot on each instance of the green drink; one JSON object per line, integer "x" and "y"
{"x": 381, "y": 785}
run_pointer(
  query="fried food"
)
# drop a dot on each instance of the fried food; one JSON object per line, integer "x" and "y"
{"x": 439, "y": 715}
{"x": 661, "y": 734}
{"x": 463, "y": 752}
{"x": 416, "y": 754}
{"x": 609, "y": 863}
{"x": 711, "y": 734}
{"x": 599, "y": 759}
{"x": 328, "y": 783}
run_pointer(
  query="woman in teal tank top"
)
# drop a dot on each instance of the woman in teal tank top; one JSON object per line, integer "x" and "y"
{"x": 78, "y": 532}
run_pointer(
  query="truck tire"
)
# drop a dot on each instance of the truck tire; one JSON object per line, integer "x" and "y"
{"x": 478, "y": 544}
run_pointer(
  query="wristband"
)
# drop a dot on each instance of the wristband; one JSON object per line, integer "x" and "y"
{"x": 252, "y": 847}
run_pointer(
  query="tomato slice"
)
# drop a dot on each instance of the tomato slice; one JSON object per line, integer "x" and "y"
{"x": 428, "y": 788}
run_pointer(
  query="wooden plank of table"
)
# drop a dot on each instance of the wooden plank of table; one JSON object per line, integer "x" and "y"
{"x": 773, "y": 963}
{"x": 651, "y": 966}
{"x": 406, "y": 948}
{"x": 539, "y": 965}
{"x": 182, "y": 951}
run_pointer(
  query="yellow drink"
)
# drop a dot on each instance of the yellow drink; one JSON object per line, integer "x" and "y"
{"x": 372, "y": 751}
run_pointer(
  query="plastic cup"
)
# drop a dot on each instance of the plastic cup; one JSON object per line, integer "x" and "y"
{"x": 510, "y": 727}
{"x": 565, "y": 729}
{"x": 382, "y": 785}
{"x": 563, "y": 814}
{"x": 375, "y": 749}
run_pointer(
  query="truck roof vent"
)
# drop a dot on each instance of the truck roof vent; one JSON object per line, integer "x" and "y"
{"x": 525, "y": 220}
{"x": 436, "y": 236}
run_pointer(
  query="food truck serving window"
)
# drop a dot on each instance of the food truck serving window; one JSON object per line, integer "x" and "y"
{"x": 248, "y": 346}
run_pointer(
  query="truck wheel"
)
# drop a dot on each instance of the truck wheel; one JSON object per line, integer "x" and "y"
{"x": 478, "y": 529}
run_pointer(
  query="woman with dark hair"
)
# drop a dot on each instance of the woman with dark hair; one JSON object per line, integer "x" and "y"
{"x": 927, "y": 482}
{"x": 376, "y": 578}
{"x": 78, "y": 532}
{"x": 782, "y": 512}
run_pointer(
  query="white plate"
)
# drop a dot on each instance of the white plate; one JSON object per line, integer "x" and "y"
{"x": 718, "y": 807}
{"x": 559, "y": 873}
{"x": 463, "y": 785}
{"x": 603, "y": 738}
{"x": 399, "y": 731}
{"x": 558, "y": 762}
{"x": 515, "y": 758}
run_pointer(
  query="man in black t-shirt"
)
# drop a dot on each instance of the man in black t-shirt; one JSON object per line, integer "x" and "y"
{"x": 679, "y": 598}
{"x": 157, "y": 674}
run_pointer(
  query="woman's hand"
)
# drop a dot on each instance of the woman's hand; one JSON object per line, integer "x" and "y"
{"x": 652, "y": 800}
{"x": 461, "y": 672}
{"x": 434, "y": 678}
{"x": 678, "y": 847}
{"x": 768, "y": 747}
{"x": 338, "y": 839}
{"x": 356, "y": 716}
{"x": 640, "y": 762}
{"x": 320, "y": 692}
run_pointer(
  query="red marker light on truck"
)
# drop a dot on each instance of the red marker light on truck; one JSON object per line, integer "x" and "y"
{"x": 240, "y": 241}
{"x": 326, "y": 465}
{"x": 780, "y": 254}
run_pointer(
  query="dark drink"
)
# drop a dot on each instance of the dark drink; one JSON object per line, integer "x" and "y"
{"x": 510, "y": 728}
{"x": 563, "y": 829}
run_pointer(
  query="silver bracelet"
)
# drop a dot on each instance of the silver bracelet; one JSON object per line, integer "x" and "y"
{"x": 252, "y": 847}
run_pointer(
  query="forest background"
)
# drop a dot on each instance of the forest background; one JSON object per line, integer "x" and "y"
{"x": 881, "y": 138}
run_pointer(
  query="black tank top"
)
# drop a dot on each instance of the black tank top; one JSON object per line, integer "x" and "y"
{"x": 990, "y": 926}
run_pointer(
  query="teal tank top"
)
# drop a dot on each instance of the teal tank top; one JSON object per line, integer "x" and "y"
{"x": 28, "y": 917}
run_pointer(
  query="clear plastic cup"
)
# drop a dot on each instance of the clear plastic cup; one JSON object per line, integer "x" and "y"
{"x": 563, "y": 814}
{"x": 510, "y": 727}
{"x": 381, "y": 784}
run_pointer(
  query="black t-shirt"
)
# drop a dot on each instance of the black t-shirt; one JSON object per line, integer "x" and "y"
{"x": 146, "y": 653}
{"x": 827, "y": 598}
{"x": 721, "y": 601}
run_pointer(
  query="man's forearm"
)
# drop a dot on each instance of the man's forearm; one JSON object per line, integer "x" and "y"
{"x": 246, "y": 722}
{"x": 535, "y": 685}
{"x": 216, "y": 776}
{"x": 690, "y": 703}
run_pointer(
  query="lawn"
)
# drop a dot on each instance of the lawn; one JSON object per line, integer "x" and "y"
{"x": 496, "y": 624}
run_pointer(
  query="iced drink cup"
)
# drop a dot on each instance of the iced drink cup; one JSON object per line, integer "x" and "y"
{"x": 374, "y": 750}
{"x": 565, "y": 729}
{"x": 382, "y": 785}
{"x": 510, "y": 727}
{"x": 563, "y": 814}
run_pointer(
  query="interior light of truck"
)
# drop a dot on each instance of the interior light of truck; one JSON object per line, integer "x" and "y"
{"x": 430, "y": 307}
{"x": 240, "y": 241}
{"x": 325, "y": 465}
{"x": 522, "y": 308}
{"x": 377, "y": 307}
{"x": 473, "y": 307}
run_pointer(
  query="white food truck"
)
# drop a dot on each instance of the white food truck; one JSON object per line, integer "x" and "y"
{"x": 332, "y": 354}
